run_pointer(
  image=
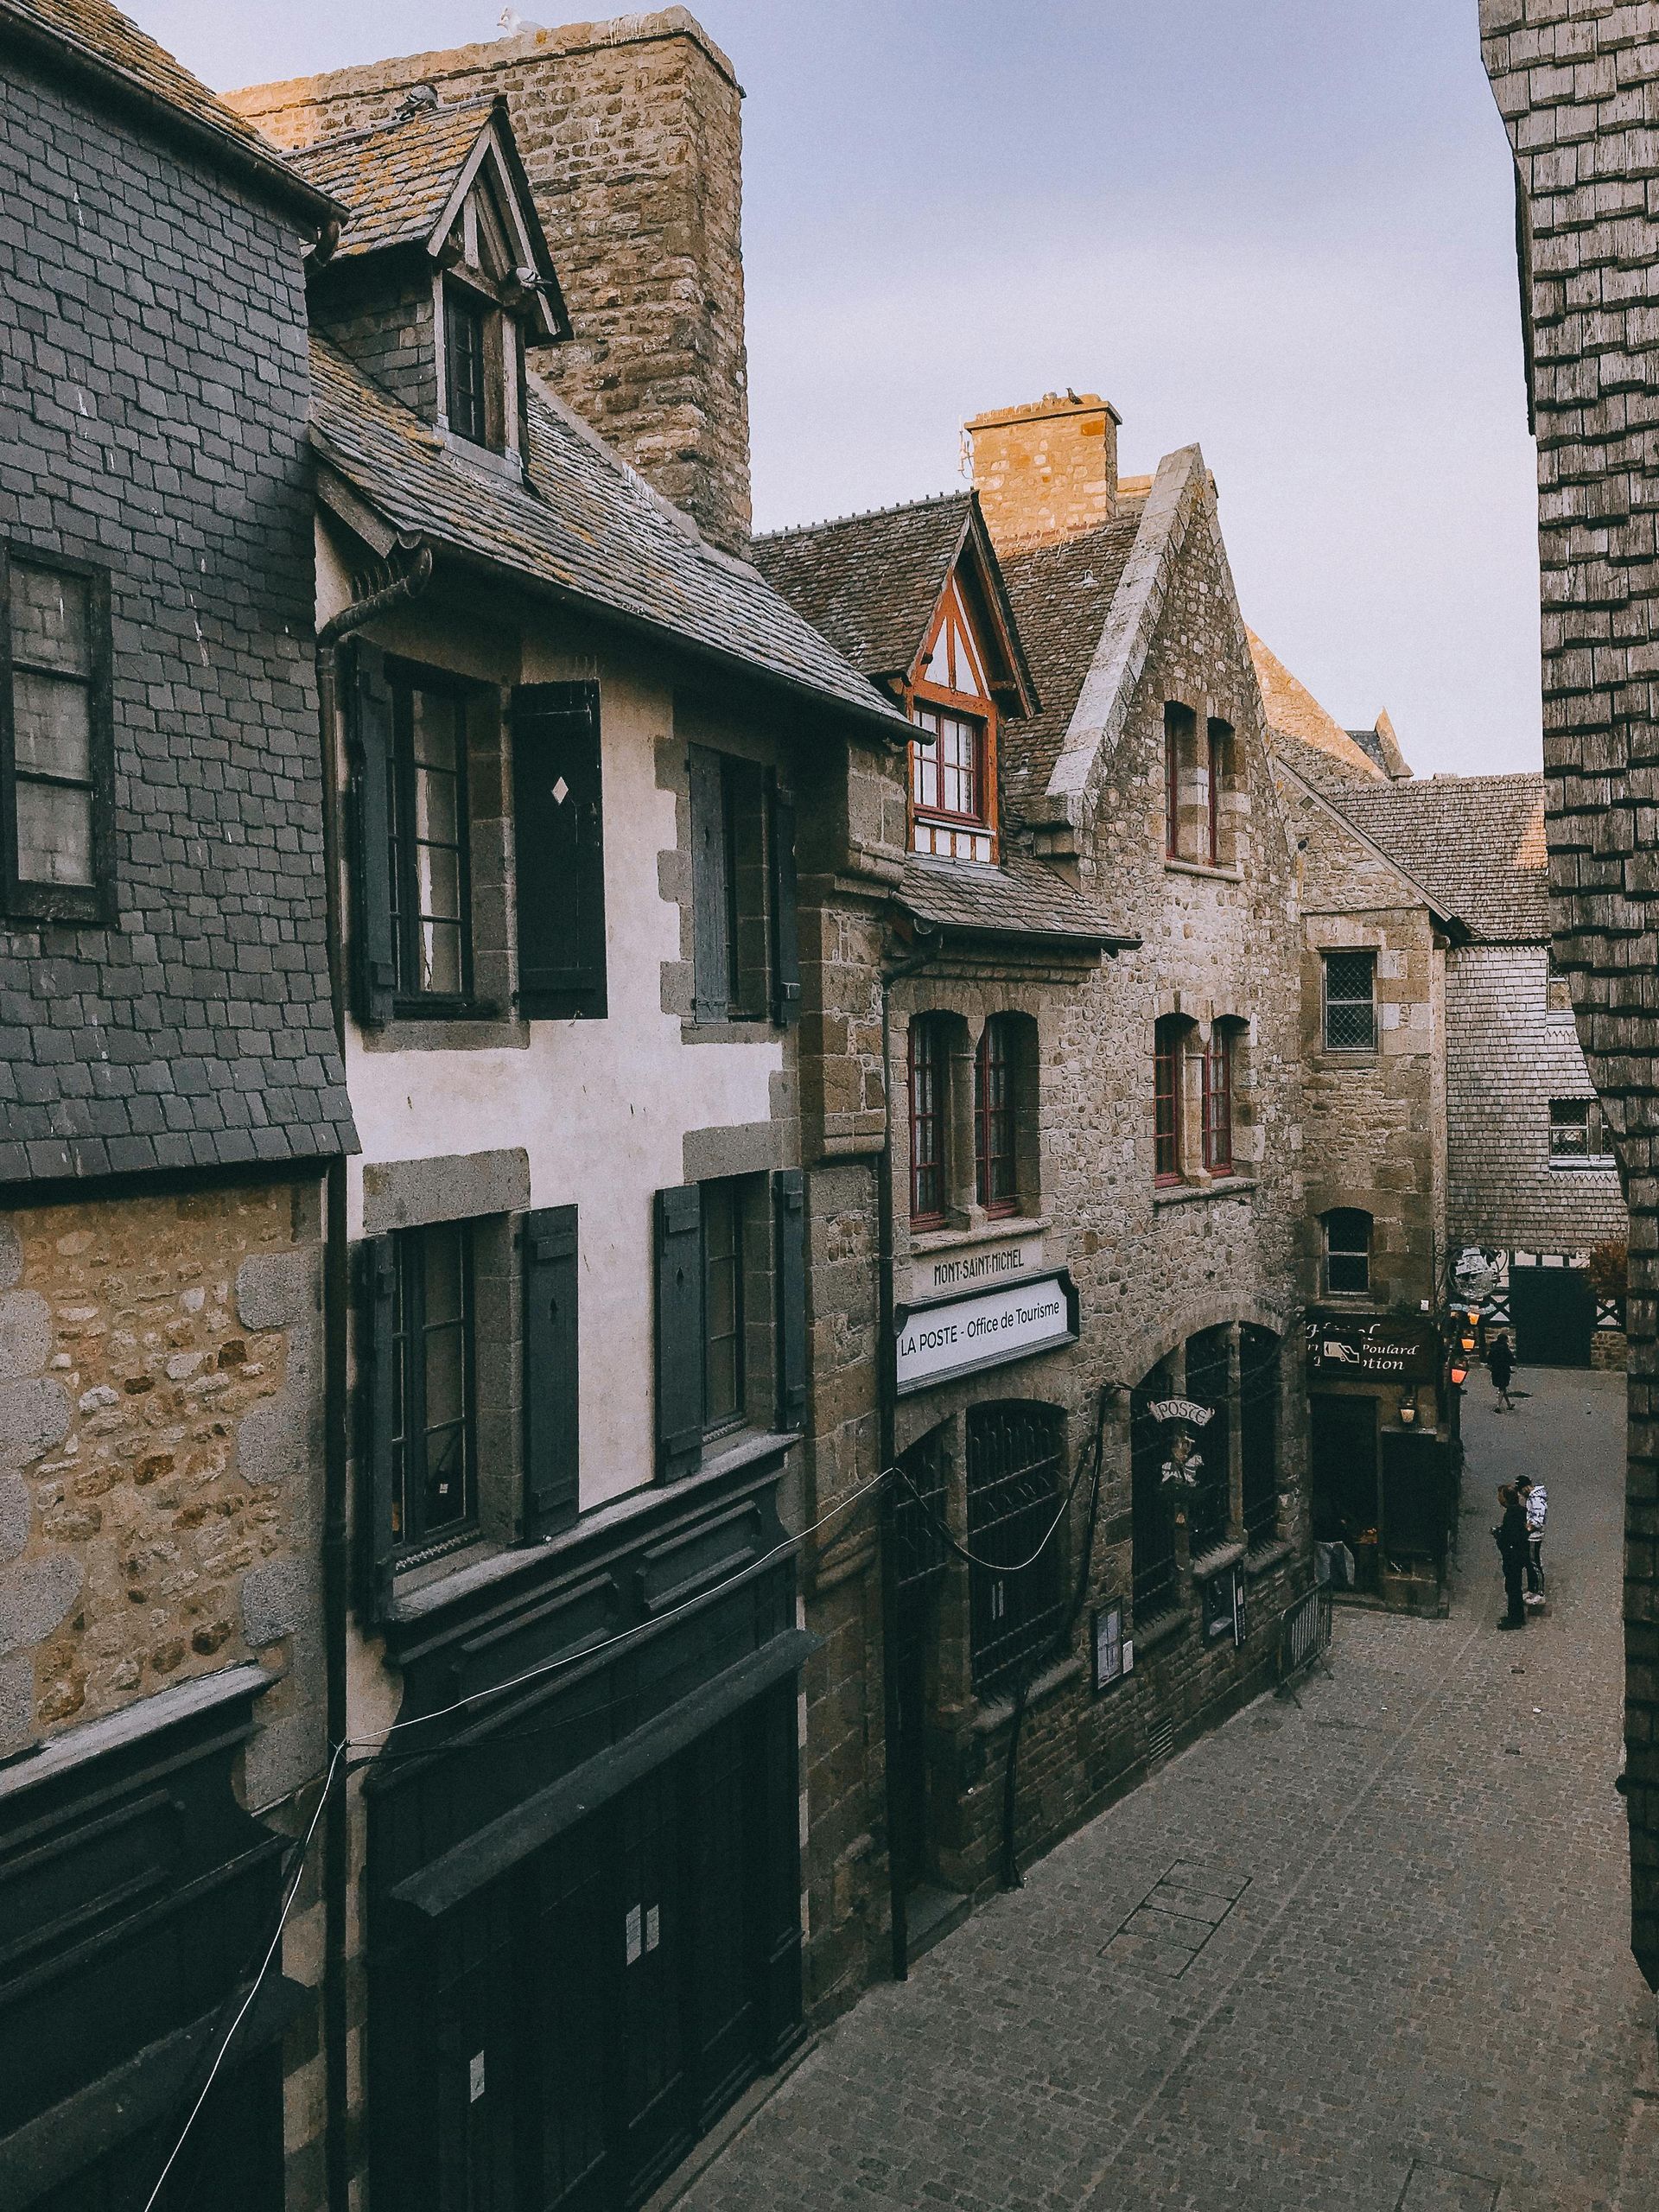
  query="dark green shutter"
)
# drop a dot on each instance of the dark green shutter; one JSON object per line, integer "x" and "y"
{"x": 377, "y": 1263}
{"x": 785, "y": 950}
{"x": 789, "y": 1207}
{"x": 368, "y": 703}
{"x": 559, "y": 841}
{"x": 551, "y": 1429}
{"x": 710, "y": 893}
{"x": 679, "y": 1332}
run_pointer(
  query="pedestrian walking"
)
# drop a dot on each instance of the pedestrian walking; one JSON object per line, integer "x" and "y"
{"x": 1511, "y": 1535}
{"x": 1500, "y": 1365}
{"x": 1535, "y": 1504}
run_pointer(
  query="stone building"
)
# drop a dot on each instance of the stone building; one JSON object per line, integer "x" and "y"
{"x": 1079, "y": 992}
{"x": 173, "y": 1095}
{"x": 1574, "y": 82}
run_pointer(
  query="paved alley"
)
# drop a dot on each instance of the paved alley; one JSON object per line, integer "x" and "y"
{"x": 1416, "y": 1996}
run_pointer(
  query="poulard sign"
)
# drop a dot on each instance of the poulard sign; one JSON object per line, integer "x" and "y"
{"x": 961, "y": 1335}
{"x": 1375, "y": 1351}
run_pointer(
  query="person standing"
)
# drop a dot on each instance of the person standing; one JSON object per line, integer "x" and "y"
{"x": 1511, "y": 1534}
{"x": 1500, "y": 1363}
{"x": 1535, "y": 1504}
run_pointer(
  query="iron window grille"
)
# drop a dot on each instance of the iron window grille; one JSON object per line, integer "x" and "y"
{"x": 1217, "y": 1069}
{"x": 467, "y": 398}
{"x": 1017, "y": 1603}
{"x": 1168, "y": 1053}
{"x": 722, "y": 1306}
{"x": 1348, "y": 1252}
{"x": 1155, "y": 1585}
{"x": 1351, "y": 1001}
{"x": 56, "y": 737}
{"x": 433, "y": 1452}
{"x": 919, "y": 1508}
{"x": 1209, "y": 1382}
{"x": 1258, "y": 1426}
{"x": 927, "y": 1110}
{"x": 1576, "y": 1130}
{"x": 994, "y": 1117}
{"x": 431, "y": 894}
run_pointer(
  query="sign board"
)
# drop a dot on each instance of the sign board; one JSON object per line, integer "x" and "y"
{"x": 1375, "y": 1351}
{"x": 1187, "y": 1409}
{"x": 961, "y": 1335}
{"x": 1224, "y": 1606}
{"x": 948, "y": 1274}
{"x": 1114, "y": 1651}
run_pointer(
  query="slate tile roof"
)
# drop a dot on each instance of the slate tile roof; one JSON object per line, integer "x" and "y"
{"x": 585, "y": 527}
{"x": 1371, "y": 746}
{"x": 1474, "y": 842}
{"x": 870, "y": 582}
{"x": 1061, "y": 596}
{"x": 397, "y": 176}
{"x": 1315, "y": 766}
{"x": 1021, "y": 898}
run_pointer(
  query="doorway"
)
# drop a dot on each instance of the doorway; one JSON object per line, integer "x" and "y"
{"x": 1345, "y": 1508}
{"x": 1554, "y": 1310}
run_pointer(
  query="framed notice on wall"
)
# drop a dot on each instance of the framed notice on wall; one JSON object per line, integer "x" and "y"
{"x": 1114, "y": 1651}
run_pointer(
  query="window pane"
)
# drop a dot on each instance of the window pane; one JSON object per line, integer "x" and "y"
{"x": 722, "y": 1294}
{"x": 53, "y": 724}
{"x": 433, "y": 722}
{"x": 55, "y": 833}
{"x": 49, "y": 624}
{"x": 441, "y": 964}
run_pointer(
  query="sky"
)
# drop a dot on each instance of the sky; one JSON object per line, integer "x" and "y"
{"x": 1281, "y": 229}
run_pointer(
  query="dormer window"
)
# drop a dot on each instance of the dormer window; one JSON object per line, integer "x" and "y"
{"x": 953, "y": 768}
{"x": 464, "y": 338}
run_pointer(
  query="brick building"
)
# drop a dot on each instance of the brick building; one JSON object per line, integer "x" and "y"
{"x": 1573, "y": 81}
{"x": 173, "y": 1096}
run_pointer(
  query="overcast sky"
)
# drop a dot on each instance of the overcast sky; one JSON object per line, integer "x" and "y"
{"x": 1280, "y": 228}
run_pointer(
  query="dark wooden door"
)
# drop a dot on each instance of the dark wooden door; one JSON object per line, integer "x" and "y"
{"x": 648, "y": 1924}
{"x": 1554, "y": 1310}
{"x": 727, "y": 1984}
{"x": 574, "y": 1971}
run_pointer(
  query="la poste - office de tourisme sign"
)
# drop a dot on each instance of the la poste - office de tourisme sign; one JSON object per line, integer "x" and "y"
{"x": 961, "y": 1335}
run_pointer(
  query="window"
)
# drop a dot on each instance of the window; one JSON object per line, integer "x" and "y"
{"x": 1169, "y": 1058}
{"x": 1347, "y": 1252}
{"x": 1217, "y": 1074}
{"x": 431, "y": 935}
{"x": 744, "y": 962}
{"x": 1217, "y": 739}
{"x": 722, "y": 1306}
{"x": 995, "y": 1171}
{"x": 1258, "y": 1425}
{"x": 1179, "y": 725}
{"x": 1576, "y": 1130}
{"x": 1155, "y": 1583}
{"x": 1351, "y": 1001}
{"x": 1209, "y": 1382}
{"x": 1013, "y": 1500}
{"x": 467, "y": 398}
{"x": 433, "y": 1453}
{"x": 927, "y": 1121}
{"x": 1557, "y": 990}
{"x": 948, "y": 777}
{"x": 56, "y": 739}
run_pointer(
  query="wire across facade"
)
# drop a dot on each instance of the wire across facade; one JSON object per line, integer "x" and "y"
{"x": 1014, "y": 1457}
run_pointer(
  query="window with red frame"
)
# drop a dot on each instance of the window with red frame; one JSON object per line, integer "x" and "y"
{"x": 927, "y": 1081}
{"x": 1167, "y": 1101}
{"x": 993, "y": 1164}
{"x": 1218, "y": 1102}
{"x": 1175, "y": 722}
{"x": 948, "y": 777}
{"x": 1217, "y": 766}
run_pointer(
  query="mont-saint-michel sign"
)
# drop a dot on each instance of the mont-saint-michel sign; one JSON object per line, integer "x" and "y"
{"x": 951, "y": 1271}
{"x": 959, "y": 1335}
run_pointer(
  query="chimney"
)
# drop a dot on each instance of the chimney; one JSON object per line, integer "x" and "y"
{"x": 1046, "y": 472}
{"x": 631, "y": 133}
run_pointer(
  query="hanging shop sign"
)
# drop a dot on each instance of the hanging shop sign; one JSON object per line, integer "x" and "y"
{"x": 1114, "y": 1651}
{"x": 949, "y": 1273}
{"x": 1375, "y": 1351}
{"x": 1184, "y": 1418}
{"x": 959, "y": 1335}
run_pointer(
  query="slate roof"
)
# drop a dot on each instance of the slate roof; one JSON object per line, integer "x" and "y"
{"x": 1371, "y": 746}
{"x": 1020, "y": 898}
{"x": 586, "y": 529}
{"x": 870, "y": 582}
{"x": 1061, "y": 596}
{"x": 1474, "y": 842}
{"x": 1330, "y": 777}
{"x": 397, "y": 176}
{"x": 111, "y": 45}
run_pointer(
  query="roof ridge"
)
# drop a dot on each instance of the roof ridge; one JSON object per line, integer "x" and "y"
{"x": 390, "y": 123}
{"x": 860, "y": 514}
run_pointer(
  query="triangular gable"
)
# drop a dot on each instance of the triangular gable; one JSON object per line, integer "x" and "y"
{"x": 971, "y": 646}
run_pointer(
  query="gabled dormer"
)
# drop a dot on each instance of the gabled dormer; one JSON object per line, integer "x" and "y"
{"x": 441, "y": 280}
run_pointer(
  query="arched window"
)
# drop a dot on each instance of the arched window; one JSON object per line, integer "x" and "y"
{"x": 1154, "y": 1576}
{"x": 928, "y": 1061}
{"x": 1014, "y": 1456}
{"x": 1347, "y": 1252}
{"x": 1209, "y": 1382}
{"x": 1169, "y": 1054}
{"x": 996, "y": 1070}
{"x": 1258, "y": 1425}
{"x": 1218, "y": 1066}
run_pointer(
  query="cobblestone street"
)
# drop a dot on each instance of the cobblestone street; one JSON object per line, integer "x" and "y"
{"x": 1411, "y": 1990}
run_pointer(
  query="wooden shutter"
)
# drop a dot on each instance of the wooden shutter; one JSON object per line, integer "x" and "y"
{"x": 785, "y": 951}
{"x": 368, "y": 701}
{"x": 710, "y": 893}
{"x": 559, "y": 840}
{"x": 551, "y": 1429}
{"x": 377, "y": 1353}
{"x": 789, "y": 1209}
{"x": 679, "y": 1332}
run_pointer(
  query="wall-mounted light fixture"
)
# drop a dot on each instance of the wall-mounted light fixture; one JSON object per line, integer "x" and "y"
{"x": 1408, "y": 1410}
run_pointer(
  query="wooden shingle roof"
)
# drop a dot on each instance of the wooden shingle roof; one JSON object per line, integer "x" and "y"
{"x": 1475, "y": 843}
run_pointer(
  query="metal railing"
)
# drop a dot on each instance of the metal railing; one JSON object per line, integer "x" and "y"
{"x": 1304, "y": 1632}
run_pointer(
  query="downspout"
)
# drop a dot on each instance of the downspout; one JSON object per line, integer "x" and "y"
{"x": 336, "y": 1298}
{"x": 886, "y": 1399}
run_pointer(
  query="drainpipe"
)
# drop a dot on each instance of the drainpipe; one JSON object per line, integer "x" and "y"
{"x": 336, "y": 1294}
{"x": 886, "y": 1399}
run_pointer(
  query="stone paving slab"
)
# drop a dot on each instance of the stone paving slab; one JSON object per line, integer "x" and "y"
{"x": 1418, "y": 1998}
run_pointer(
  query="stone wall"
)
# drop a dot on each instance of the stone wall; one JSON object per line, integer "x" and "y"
{"x": 1574, "y": 81}
{"x": 631, "y": 133}
{"x": 1508, "y": 1055}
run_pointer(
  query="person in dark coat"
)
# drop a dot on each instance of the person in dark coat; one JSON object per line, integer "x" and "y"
{"x": 1511, "y": 1534}
{"x": 1500, "y": 1365}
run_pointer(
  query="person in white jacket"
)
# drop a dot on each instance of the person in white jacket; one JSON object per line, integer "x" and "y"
{"x": 1534, "y": 1502}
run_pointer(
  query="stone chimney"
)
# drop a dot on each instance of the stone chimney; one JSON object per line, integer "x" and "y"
{"x": 1048, "y": 471}
{"x": 630, "y": 132}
